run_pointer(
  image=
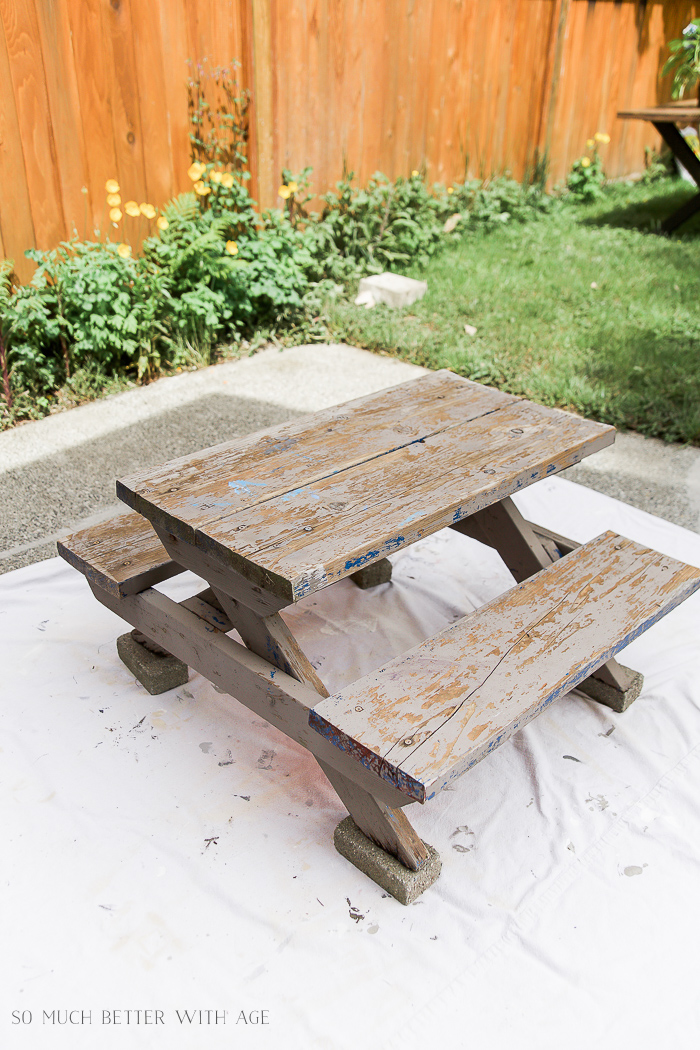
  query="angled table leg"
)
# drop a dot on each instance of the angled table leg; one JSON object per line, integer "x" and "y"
{"x": 526, "y": 549}
{"x": 680, "y": 149}
{"x": 387, "y": 830}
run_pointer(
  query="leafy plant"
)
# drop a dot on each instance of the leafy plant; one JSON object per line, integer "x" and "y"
{"x": 586, "y": 179}
{"x": 684, "y": 59}
{"x": 218, "y": 111}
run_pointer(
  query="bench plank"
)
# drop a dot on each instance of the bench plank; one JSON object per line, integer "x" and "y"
{"x": 429, "y": 715}
{"x": 303, "y": 540}
{"x": 184, "y": 494}
{"x": 122, "y": 555}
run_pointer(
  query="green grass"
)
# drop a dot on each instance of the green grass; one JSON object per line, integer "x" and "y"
{"x": 626, "y": 352}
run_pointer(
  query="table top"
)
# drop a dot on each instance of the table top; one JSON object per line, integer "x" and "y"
{"x": 296, "y": 507}
{"x": 682, "y": 111}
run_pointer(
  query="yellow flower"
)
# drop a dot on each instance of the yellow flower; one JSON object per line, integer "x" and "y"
{"x": 590, "y": 143}
{"x": 216, "y": 176}
{"x": 585, "y": 162}
{"x": 112, "y": 186}
{"x": 284, "y": 193}
{"x": 148, "y": 210}
{"x": 450, "y": 189}
{"x": 113, "y": 199}
{"x": 414, "y": 173}
{"x": 132, "y": 208}
{"x": 115, "y": 215}
{"x": 124, "y": 250}
{"x": 162, "y": 223}
{"x": 227, "y": 180}
{"x": 292, "y": 187}
{"x": 196, "y": 170}
{"x": 601, "y": 137}
{"x": 232, "y": 247}
{"x": 201, "y": 189}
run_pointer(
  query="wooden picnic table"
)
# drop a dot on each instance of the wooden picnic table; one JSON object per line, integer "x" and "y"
{"x": 666, "y": 119}
{"x": 270, "y": 518}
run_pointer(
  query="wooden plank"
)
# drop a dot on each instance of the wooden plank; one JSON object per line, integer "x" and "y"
{"x": 306, "y": 539}
{"x": 185, "y": 494}
{"x": 15, "y": 208}
{"x": 34, "y": 120}
{"x": 430, "y": 715}
{"x": 270, "y": 637}
{"x": 156, "y": 147}
{"x": 281, "y": 700}
{"x": 120, "y": 62}
{"x": 223, "y": 578}
{"x": 689, "y": 113}
{"x": 122, "y": 555}
{"x": 66, "y": 120}
{"x": 95, "y": 92}
{"x": 263, "y": 103}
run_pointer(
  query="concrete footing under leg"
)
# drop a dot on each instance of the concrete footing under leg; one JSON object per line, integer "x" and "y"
{"x": 156, "y": 671}
{"x": 617, "y": 699}
{"x": 383, "y": 868}
{"x": 373, "y": 575}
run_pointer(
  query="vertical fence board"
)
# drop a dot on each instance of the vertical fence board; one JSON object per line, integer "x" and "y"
{"x": 95, "y": 95}
{"x": 15, "y": 205}
{"x": 153, "y": 101}
{"x": 34, "y": 120}
{"x": 66, "y": 118}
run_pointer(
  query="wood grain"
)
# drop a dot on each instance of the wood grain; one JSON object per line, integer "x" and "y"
{"x": 430, "y": 715}
{"x": 307, "y": 538}
{"x": 34, "y": 119}
{"x": 122, "y": 555}
{"x": 187, "y": 493}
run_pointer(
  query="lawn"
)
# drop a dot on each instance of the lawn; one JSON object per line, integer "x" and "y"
{"x": 587, "y": 308}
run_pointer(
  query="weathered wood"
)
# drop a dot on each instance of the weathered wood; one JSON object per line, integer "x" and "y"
{"x": 428, "y": 716}
{"x": 207, "y": 607}
{"x": 389, "y": 828}
{"x": 271, "y": 639}
{"x": 122, "y": 555}
{"x": 280, "y": 699}
{"x": 299, "y": 542}
{"x": 187, "y": 493}
{"x": 503, "y": 527}
{"x": 525, "y": 550}
{"x": 223, "y": 579}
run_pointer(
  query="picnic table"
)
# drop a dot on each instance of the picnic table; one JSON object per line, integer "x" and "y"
{"x": 666, "y": 119}
{"x": 268, "y": 519}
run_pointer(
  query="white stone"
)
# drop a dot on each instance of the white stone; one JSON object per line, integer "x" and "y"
{"x": 392, "y": 289}
{"x": 470, "y": 329}
{"x": 366, "y": 299}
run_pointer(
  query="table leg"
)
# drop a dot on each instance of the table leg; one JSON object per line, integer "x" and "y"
{"x": 525, "y": 549}
{"x": 680, "y": 149}
{"x": 388, "y": 827}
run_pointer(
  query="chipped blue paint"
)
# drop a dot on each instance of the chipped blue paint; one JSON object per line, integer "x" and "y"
{"x": 551, "y": 468}
{"x": 298, "y": 492}
{"x": 242, "y": 487}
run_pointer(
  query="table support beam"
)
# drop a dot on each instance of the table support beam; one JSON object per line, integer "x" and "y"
{"x": 388, "y": 827}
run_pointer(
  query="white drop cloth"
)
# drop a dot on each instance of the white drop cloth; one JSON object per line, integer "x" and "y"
{"x": 176, "y": 853}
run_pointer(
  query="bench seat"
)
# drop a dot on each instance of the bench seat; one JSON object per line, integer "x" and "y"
{"x": 122, "y": 555}
{"x": 428, "y": 716}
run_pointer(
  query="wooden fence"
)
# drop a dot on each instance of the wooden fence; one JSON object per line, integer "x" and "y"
{"x": 96, "y": 89}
